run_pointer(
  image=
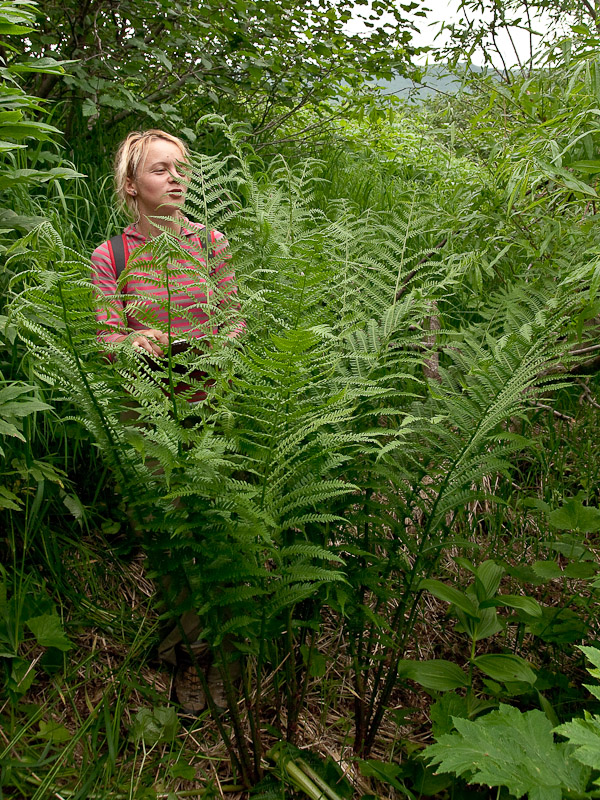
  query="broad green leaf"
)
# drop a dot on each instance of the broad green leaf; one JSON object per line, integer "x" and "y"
{"x": 449, "y": 595}
{"x": 8, "y": 429}
{"x": 316, "y": 662}
{"x": 482, "y": 627}
{"x": 547, "y": 569}
{"x": 22, "y": 676}
{"x": 589, "y": 167}
{"x": 54, "y": 732}
{"x": 46, "y": 65}
{"x": 569, "y": 546}
{"x": 89, "y": 109}
{"x": 155, "y": 725}
{"x": 381, "y": 771}
{"x": 488, "y": 576}
{"x": 581, "y": 570}
{"x": 574, "y": 516}
{"x": 512, "y": 749}
{"x": 558, "y": 625}
{"x": 10, "y": 29}
{"x": 22, "y": 130}
{"x": 526, "y": 604}
{"x": 49, "y": 632}
{"x": 436, "y": 674}
{"x": 443, "y": 711}
{"x": 585, "y": 735}
{"x": 6, "y": 147}
{"x": 186, "y": 772}
{"x": 505, "y": 668}
{"x": 13, "y": 391}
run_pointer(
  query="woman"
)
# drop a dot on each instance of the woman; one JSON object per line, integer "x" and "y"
{"x": 150, "y": 183}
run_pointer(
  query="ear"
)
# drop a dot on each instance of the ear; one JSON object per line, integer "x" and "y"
{"x": 130, "y": 187}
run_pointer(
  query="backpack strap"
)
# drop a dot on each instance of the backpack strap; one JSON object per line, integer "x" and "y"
{"x": 117, "y": 247}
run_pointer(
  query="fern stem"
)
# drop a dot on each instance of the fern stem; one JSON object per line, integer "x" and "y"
{"x": 401, "y": 265}
{"x": 170, "y": 351}
{"x": 292, "y": 688}
{"x": 259, "y": 670}
{"x": 248, "y": 777}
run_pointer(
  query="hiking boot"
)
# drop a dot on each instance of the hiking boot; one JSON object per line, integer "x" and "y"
{"x": 188, "y": 689}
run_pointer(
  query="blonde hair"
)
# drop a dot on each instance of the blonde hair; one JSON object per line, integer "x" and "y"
{"x": 131, "y": 154}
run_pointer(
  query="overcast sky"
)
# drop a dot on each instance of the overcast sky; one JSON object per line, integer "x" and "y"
{"x": 447, "y": 10}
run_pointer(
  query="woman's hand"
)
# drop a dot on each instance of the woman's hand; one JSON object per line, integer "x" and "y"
{"x": 150, "y": 339}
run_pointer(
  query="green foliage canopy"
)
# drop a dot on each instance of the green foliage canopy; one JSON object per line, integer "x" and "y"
{"x": 169, "y": 62}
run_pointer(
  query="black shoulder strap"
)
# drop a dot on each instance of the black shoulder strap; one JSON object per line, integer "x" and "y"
{"x": 117, "y": 245}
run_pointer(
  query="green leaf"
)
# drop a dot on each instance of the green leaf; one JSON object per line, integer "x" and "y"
{"x": 569, "y": 546}
{"x": 443, "y": 711}
{"x": 155, "y": 725}
{"x": 6, "y": 147}
{"x": 381, "y": 771}
{"x": 585, "y": 735}
{"x": 8, "y": 429}
{"x": 48, "y": 631}
{"x": 558, "y": 625}
{"x": 10, "y": 29}
{"x": 573, "y": 515}
{"x": 449, "y": 595}
{"x": 316, "y": 662}
{"x": 45, "y": 65}
{"x": 485, "y": 625}
{"x": 547, "y": 570}
{"x": 9, "y": 499}
{"x": 22, "y": 676}
{"x": 22, "y": 130}
{"x": 489, "y": 575}
{"x": 589, "y": 167}
{"x": 186, "y": 772}
{"x": 593, "y": 655}
{"x": 505, "y": 668}
{"x": 512, "y": 749}
{"x": 526, "y": 604}
{"x": 436, "y": 674}
{"x": 89, "y": 109}
{"x": 581, "y": 570}
{"x": 54, "y": 732}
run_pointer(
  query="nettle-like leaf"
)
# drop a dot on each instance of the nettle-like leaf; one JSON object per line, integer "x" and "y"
{"x": 573, "y": 515}
{"x": 48, "y": 630}
{"x": 585, "y": 733}
{"x": 512, "y": 749}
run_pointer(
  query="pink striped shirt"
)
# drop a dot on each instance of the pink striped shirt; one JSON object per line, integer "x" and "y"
{"x": 196, "y": 294}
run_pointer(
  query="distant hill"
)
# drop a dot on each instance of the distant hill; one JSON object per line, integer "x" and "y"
{"x": 435, "y": 80}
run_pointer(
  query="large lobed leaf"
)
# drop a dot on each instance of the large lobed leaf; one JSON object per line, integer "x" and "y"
{"x": 511, "y": 749}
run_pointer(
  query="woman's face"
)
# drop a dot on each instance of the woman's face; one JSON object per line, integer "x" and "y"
{"x": 155, "y": 185}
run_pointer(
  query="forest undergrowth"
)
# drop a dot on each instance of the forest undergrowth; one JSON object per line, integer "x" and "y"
{"x": 385, "y": 511}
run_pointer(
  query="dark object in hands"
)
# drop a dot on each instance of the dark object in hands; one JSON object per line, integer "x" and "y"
{"x": 175, "y": 348}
